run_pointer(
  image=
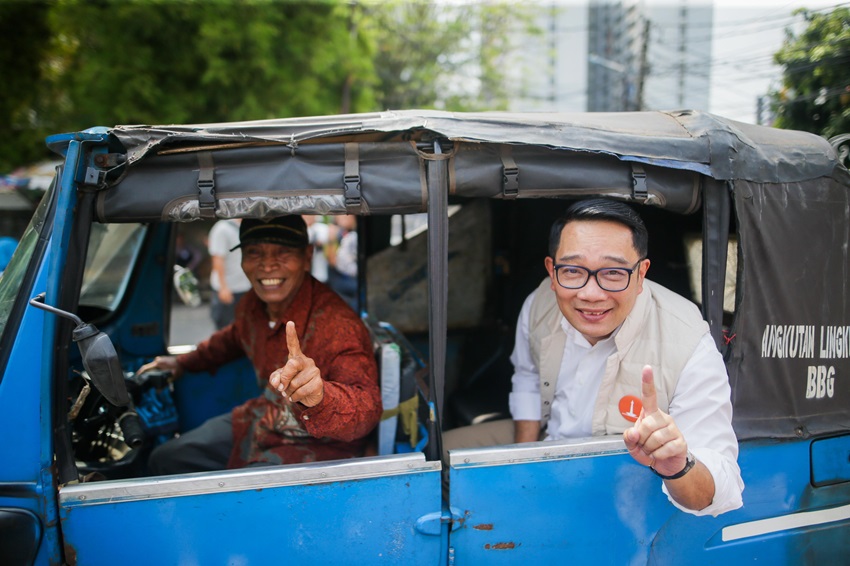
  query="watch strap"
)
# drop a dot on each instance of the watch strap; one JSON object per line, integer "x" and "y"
{"x": 690, "y": 462}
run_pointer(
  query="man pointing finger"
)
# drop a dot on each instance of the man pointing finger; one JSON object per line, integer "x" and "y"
{"x": 299, "y": 380}
{"x": 583, "y": 341}
{"x": 317, "y": 407}
{"x": 657, "y": 442}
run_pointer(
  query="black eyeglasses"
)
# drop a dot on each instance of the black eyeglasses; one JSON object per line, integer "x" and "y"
{"x": 611, "y": 279}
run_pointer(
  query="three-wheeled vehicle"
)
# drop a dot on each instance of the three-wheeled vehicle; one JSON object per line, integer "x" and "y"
{"x": 751, "y": 223}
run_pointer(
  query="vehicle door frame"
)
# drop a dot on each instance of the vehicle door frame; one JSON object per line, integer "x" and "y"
{"x": 415, "y": 473}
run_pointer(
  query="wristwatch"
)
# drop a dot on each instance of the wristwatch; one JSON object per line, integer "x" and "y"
{"x": 690, "y": 462}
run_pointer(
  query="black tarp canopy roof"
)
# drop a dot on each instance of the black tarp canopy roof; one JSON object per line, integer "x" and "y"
{"x": 272, "y": 167}
{"x": 714, "y": 146}
{"x": 787, "y": 349}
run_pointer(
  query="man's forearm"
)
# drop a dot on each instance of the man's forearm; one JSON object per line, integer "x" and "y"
{"x": 526, "y": 431}
{"x": 694, "y": 490}
{"x": 218, "y": 269}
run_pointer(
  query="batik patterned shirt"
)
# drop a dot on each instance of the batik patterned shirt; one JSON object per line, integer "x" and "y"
{"x": 271, "y": 429}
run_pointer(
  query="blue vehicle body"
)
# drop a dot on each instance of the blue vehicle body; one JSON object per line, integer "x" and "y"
{"x": 74, "y": 488}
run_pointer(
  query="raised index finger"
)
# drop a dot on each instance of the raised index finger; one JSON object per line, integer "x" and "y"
{"x": 292, "y": 341}
{"x": 647, "y": 393}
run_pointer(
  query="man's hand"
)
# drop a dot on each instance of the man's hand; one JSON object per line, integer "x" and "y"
{"x": 165, "y": 363}
{"x": 299, "y": 380}
{"x": 655, "y": 440}
{"x": 225, "y": 295}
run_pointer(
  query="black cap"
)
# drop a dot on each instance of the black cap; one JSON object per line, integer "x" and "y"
{"x": 290, "y": 230}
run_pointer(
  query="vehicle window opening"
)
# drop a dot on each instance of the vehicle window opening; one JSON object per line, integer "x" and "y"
{"x": 479, "y": 367}
{"x": 110, "y": 259}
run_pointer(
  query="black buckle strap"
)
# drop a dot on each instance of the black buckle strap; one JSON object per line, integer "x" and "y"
{"x": 351, "y": 178}
{"x": 352, "y": 192}
{"x": 206, "y": 185}
{"x": 639, "y": 190}
{"x": 510, "y": 174}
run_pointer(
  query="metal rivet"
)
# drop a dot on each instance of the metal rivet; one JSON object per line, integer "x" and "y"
{"x": 221, "y": 484}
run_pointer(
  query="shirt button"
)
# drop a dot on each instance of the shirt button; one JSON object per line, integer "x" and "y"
{"x": 546, "y": 416}
{"x": 546, "y": 383}
{"x": 306, "y": 417}
{"x": 545, "y": 402}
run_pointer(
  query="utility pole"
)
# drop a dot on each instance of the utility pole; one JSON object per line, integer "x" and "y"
{"x": 683, "y": 38}
{"x": 643, "y": 69}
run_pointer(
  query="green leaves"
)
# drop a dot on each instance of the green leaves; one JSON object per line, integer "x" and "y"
{"x": 106, "y": 62}
{"x": 815, "y": 92}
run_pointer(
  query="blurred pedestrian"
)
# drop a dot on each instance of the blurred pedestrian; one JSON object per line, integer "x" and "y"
{"x": 342, "y": 260}
{"x": 321, "y": 234}
{"x": 227, "y": 279}
{"x": 186, "y": 254}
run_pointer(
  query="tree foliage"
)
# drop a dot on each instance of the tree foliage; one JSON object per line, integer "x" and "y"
{"x": 443, "y": 55}
{"x": 203, "y": 61}
{"x": 23, "y": 29}
{"x": 815, "y": 93}
{"x": 105, "y": 62}
{"x": 411, "y": 56}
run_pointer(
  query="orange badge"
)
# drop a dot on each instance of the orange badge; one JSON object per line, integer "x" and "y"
{"x": 630, "y": 407}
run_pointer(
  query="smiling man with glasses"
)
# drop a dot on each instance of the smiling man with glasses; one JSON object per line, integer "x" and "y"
{"x": 601, "y": 350}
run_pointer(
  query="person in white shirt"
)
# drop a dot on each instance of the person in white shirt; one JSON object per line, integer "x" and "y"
{"x": 321, "y": 234}
{"x": 602, "y": 350}
{"x": 227, "y": 279}
{"x": 342, "y": 260}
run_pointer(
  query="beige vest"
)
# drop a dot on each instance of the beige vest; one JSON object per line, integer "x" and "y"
{"x": 662, "y": 330}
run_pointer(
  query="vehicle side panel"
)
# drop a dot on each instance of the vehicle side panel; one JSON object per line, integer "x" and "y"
{"x": 599, "y": 506}
{"x": 548, "y": 506}
{"x": 330, "y": 512}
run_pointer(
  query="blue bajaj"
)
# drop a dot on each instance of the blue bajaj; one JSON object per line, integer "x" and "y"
{"x": 750, "y": 223}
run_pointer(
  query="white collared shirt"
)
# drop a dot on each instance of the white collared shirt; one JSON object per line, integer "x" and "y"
{"x": 700, "y": 405}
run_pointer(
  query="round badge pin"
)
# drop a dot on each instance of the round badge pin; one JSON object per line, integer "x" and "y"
{"x": 630, "y": 407}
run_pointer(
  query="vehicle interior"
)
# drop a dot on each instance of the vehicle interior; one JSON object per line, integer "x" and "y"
{"x": 496, "y": 253}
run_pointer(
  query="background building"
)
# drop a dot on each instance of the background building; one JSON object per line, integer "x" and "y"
{"x": 599, "y": 55}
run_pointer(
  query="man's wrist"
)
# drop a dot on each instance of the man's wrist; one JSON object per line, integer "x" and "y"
{"x": 690, "y": 462}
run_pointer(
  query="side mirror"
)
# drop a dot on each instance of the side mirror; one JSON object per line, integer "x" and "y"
{"x": 99, "y": 356}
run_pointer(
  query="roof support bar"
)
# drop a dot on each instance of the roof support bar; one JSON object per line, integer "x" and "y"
{"x": 716, "y": 212}
{"x": 438, "y": 294}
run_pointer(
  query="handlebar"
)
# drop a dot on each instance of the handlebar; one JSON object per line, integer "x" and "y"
{"x": 131, "y": 427}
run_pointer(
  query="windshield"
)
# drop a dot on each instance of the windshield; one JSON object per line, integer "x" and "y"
{"x": 112, "y": 253}
{"x": 13, "y": 276}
